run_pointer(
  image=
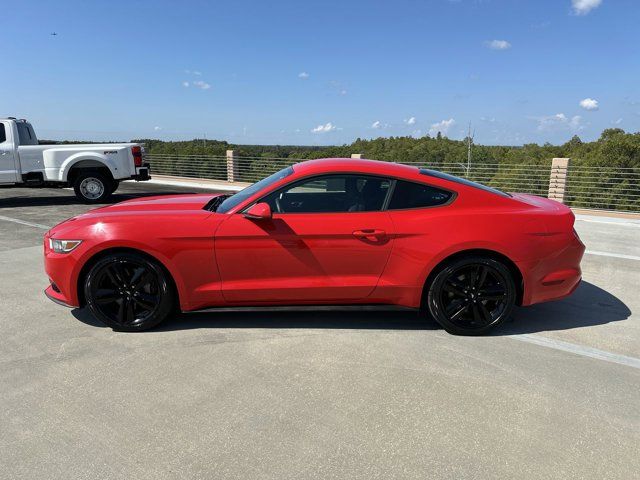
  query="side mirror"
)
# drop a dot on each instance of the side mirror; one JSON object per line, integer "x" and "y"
{"x": 259, "y": 211}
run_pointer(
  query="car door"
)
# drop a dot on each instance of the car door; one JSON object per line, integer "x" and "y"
{"x": 328, "y": 241}
{"x": 8, "y": 171}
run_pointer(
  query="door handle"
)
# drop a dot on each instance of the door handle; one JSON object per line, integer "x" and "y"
{"x": 370, "y": 233}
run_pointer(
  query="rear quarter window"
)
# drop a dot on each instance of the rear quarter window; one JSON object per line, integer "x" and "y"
{"x": 417, "y": 195}
{"x": 26, "y": 135}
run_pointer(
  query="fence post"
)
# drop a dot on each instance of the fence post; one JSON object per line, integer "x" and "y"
{"x": 232, "y": 167}
{"x": 356, "y": 155}
{"x": 558, "y": 179}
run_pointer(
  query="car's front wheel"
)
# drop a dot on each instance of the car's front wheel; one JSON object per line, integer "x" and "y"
{"x": 129, "y": 292}
{"x": 471, "y": 295}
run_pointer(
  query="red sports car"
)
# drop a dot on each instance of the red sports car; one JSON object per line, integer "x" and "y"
{"x": 322, "y": 232}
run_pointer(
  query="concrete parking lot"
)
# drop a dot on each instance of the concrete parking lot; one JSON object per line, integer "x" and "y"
{"x": 552, "y": 394}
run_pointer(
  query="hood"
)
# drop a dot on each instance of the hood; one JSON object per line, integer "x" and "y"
{"x": 175, "y": 206}
{"x": 181, "y": 202}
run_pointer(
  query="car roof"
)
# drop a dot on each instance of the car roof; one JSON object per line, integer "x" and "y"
{"x": 329, "y": 165}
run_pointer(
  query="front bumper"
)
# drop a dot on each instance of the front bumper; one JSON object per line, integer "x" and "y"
{"x": 62, "y": 271}
{"x": 143, "y": 173}
{"x": 56, "y": 297}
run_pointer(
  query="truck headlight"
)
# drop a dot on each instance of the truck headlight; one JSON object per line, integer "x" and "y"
{"x": 63, "y": 246}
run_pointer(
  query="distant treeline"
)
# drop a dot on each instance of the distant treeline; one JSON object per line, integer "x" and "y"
{"x": 614, "y": 148}
{"x": 603, "y": 173}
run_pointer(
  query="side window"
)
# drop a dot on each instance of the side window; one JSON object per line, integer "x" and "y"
{"x": 3, "y": 133}
{"x": 417, "y": 195}
{"x": 26, "y": 135}
{"x": 330, "y": 194}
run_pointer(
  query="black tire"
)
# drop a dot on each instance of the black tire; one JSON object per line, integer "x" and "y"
{"x": 92, "y": 187}
{"x": 471, "y": 295}
{"x": 129, "y": 292}
{"x": 114, "y": 186}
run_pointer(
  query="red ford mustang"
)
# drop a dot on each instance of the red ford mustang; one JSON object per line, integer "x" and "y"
{"x": 322, "y": 232}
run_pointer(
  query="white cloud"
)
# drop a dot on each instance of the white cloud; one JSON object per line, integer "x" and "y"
{"x": 618, "y": 121}
{"x": 342, "y": 92}
{"x": 442, "y": 127}
{"x": 410, "y": 121}
{"x": 157, "y": 128}
{"x": 559, "y": 121}
{"x": 185, "y": 84}
{"x": 497, "y": 44}
{"x": 202, "y": 85}
{"x": 378, "y": 125}
{"x": 583, "y": 7}
{"x": 327, "y": 127}
{"x": 303, "y": 75}
{"x": 589, "y": 104}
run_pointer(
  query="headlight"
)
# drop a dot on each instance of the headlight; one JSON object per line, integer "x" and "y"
{"x": 63, "y": 246}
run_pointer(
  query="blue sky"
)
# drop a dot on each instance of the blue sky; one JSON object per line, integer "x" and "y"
{"x": 322, "y": 72}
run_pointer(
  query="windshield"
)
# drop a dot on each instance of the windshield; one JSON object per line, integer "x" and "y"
{"x": 242, "y": 195}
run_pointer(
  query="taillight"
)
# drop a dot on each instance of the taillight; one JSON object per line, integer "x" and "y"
{"x": 137, "y": 156}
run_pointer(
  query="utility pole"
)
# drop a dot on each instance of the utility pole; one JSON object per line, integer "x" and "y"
{"x": 469, "y": 143}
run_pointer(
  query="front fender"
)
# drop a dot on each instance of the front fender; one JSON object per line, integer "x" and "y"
{"x": 80, "y": 262}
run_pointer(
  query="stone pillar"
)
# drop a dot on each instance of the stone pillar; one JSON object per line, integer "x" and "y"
{"x": 356, "y": 155}
{"x": 232, "y": 167}
{"x": 558, "y": 179}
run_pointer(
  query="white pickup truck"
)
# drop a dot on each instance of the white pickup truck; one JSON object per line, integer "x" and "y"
{"x": 93, "y": 170}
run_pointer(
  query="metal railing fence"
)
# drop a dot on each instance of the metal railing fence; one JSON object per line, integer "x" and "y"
{"x": 597, "y": 187}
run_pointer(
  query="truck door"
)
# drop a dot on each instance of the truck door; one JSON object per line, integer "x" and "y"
{"x": 8, "y": 170}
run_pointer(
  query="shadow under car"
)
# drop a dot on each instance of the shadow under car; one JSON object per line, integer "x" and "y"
{"x": 590, "y": 305}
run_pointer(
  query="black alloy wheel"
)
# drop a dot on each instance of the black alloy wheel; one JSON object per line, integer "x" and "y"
{"x": 129, "y": 292}
{"x": 471, "y": 295}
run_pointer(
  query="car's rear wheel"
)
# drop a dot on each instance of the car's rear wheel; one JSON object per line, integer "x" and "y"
{"x": 129, "y": 292}
{"x": 471, "y": 295}
{"x": 92, "y": 187}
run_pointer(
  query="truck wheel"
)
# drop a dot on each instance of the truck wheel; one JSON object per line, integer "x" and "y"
{"x": 114, "y": 185}
{"x": 92, "y": 187}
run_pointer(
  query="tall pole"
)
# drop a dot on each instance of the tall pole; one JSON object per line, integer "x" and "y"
{"x": 469, "y": 143}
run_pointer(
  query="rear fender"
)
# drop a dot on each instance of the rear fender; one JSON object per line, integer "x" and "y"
{"x": 100, "y": 160}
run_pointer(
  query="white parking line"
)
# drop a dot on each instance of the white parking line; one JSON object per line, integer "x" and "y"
{"x": 614, "y": 255}
{"x": 22, "y": 222}
{"x": 621, "y": 223}
{"x": 579, "y": 350}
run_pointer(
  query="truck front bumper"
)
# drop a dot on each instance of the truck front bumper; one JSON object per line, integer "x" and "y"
{"x": 142, "y": 173}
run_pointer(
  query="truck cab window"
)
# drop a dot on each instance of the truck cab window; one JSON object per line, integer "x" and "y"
{"x": 3, "y": 133}
{"x": 26, "y": 135}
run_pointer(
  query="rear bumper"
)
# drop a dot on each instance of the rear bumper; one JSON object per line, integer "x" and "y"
{"x": 555, "y": 277}
{"x": 143, "y": 173}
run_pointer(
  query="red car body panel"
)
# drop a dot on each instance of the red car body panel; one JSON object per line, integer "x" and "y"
{"x": 383, "y": 257}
